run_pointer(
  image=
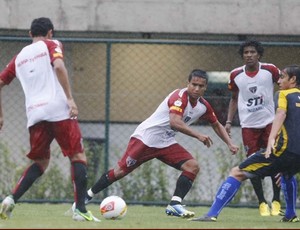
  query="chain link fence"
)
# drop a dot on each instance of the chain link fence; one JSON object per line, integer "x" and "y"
{"x": 117, "y": 83}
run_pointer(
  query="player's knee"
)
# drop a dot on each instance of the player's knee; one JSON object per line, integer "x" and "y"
{"x": 193, "y": 166}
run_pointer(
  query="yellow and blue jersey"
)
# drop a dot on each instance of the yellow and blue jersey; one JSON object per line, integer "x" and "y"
{"x": 289, "y": 135}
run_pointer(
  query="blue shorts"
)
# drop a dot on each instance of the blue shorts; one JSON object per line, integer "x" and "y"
{"x": 287, "y": 163}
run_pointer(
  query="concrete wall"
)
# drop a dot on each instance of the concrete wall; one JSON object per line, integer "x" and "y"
{"x": 173, "y": 16}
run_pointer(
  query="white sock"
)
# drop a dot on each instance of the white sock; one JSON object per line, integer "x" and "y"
{"x": 90, "y": 193}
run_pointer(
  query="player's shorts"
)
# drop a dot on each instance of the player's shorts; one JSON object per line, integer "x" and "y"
{"x": 287, "y": 163}
{"x": 138, "y": 153}
{"x": 255, "y": 139}
{"x": 66, "y": 133}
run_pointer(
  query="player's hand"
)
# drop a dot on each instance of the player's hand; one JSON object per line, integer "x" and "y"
{"x": 233, "y": 148}
{"x": 270, "y": 147}
{"x": 206, "y": 140}
{"x": 73, "y": 109}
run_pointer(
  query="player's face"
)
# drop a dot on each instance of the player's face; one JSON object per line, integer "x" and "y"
{"x": 284, "y": 81}
{"x": 250, "y": 56}
{"x": 196, "y": 87}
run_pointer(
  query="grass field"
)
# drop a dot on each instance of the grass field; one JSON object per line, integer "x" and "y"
{"x": 52, "y": 216}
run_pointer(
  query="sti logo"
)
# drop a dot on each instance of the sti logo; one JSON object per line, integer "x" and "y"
{"x": 253, "y": 89}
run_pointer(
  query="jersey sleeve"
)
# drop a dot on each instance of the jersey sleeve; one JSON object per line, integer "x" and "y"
{"x": 55, "y": 48}
{"x": 282, "y": 101}
{"x": 9, "y": 72}
{"x": 275, "y": 71}
{"x": 231, "y": 83}
{"x": 177, "y": 102}
{"x": 209, "y": 115}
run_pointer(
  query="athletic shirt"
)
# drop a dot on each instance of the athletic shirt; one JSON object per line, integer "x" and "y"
{"x": 289, "y": 135}
{"x": 255, "y": 97}
{"x": 44, "y": 97}
{"x": 156, "y": 132}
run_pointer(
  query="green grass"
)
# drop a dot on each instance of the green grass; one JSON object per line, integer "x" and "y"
{"x": 49, "y": 216}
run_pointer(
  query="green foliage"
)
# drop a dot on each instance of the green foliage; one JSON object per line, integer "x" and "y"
{"x": 6, "y": 169}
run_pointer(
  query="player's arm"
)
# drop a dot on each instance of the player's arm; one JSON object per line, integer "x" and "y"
{"x": 176, "y": 123}
{"x": 276, "y": 126}
{"x": 222, "y": 133}
{"x": 232, "y": 108}
{"x": 63, "y": 78}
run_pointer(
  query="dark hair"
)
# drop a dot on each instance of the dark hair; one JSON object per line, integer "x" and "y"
{"x": 258, "y": 46}
{"x": 41, "y": 26}
{"x": 198, "y": 73}
{"x": 293, "y": 70}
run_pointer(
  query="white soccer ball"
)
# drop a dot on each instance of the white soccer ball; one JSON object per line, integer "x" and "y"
{"x": 113, "y": 207}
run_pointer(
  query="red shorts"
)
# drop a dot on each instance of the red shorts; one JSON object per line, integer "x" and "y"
{"x": 138, "y": 153}
{"x": 255, "y": 139}
{"x": 66, "y": 133}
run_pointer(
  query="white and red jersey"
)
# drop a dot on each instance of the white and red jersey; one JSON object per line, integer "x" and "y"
{"x": 156, "y": 132}
{"x": 44, "y": 97}
{"x": 255, "y": 97}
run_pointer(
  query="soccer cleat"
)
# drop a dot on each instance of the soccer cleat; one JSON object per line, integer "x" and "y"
{"x": 276, "y": 209}
{"x": 7, "y": 206}
{"x": 205, "y": 219}
{"x": 292, "y": 220}
{"x": 88, "y": 216}
{"x": 264, "y": 209}
{"x": 178, "y": 210}
{"x": 87, "y": 199}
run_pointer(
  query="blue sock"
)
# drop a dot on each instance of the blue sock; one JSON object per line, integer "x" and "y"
{"x": 289, "y": 188}
{"x": 224, "y": 195}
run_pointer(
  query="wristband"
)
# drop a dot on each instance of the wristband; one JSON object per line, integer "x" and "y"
{"x": 228, "y": 122}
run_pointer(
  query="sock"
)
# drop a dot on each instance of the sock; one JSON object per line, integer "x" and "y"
{"x": 79, "y": 179}
{"x": 33, "y": 172}
{"x": 258, "y": 189}
{"x": 104, "y": 181}
{"x": 183, "y": 186}
{"x": 289, "y": 188}
{"x": 276, "y": 190}
{"x": 224, "y": 195}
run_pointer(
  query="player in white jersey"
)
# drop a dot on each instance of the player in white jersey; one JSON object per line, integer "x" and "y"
{"x": 252, "y": 87}
{"x": 51, "y": 114}
{"x": 155, "y": 138}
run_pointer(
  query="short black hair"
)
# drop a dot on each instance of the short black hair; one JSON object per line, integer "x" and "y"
{"x": 198, "y": 73}
{"x": 258, "y": 46}
{"x": 41, "y": 26}
{"x": 293, "y": 70}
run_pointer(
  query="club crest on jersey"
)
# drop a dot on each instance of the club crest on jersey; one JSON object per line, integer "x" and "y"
{"x": 130, "y": 161}
{"x": 178, "y": 103}
{"x": 253, "y": 89}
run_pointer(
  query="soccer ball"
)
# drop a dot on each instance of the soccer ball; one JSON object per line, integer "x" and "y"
{"x": 113, "y": 207}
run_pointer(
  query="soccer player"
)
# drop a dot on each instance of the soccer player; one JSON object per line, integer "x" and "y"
{"x": 51, "y": 114}
{"x": 252, "y": 87}
{"x": 282, "y": 154}
{"x": 155, "y": 138}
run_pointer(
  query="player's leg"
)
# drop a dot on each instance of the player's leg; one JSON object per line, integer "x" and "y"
{"x": 68, "y": 136}
{"x": 136, "y": 154}
{"x": 289, "y": 188}
{"x": 40, "y": 140}
{"x": 247, "y": 169}
{"x": 276, "y": 205}
{"x": 254, "y": 140}
{"x": 179, "y": 158}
